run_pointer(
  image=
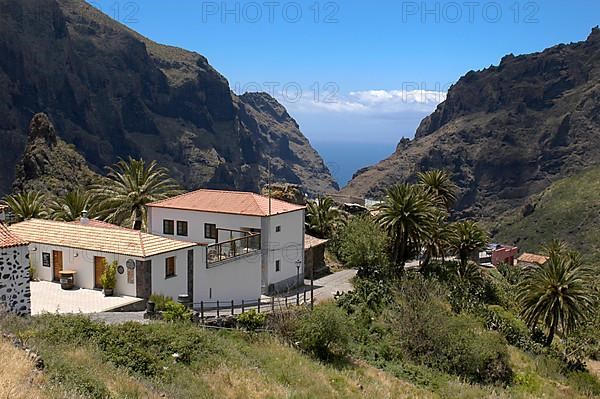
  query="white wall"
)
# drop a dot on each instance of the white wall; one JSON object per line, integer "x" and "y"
{"x": 237, "y": 279}
{"x": 287, "y": 246}
{"x": 196, "y": 221}
{"x": 172, "y": 286}
{"x": 14, "y": 280}
{"x": 81, "y": 261}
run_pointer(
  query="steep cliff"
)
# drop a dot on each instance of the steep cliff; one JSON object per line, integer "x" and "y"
{"x": 507, "y": 132}
{"x": 113, "y": 93}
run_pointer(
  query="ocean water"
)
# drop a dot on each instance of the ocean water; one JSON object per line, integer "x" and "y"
{"x": 344, "y": 158}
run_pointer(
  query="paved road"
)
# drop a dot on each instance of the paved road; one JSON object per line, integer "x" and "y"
{"x": 325, "y": 289}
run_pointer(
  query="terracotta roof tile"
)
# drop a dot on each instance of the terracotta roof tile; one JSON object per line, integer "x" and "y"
{"x": 232, "y": 202}
{"x": 8, "y": 239}
{"x": 310, "y": 241}
{"x": 533, "y": 258}
{"x": 94, "y": 238}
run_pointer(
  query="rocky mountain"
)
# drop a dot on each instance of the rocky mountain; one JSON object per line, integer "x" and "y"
{"x": 50, "y": 165}
{"x": 112, "y": 93}
{"x": 507, "y": 132}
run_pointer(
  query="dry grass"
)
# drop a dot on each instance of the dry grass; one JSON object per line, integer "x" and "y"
{"x": 18, "y": 377}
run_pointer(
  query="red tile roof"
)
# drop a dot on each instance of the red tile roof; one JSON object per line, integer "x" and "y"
{"x": 93, "y": 238}
{"x": 8, "y": 239}
{"x": 231, "y": 202}
{"x": 533, "y": 258}
{"x": 310, "y": 241}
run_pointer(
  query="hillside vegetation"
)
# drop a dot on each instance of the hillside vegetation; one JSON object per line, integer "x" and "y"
{"x": 569, "y": 209}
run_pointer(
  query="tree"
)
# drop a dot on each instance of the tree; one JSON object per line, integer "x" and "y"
{"x": 363, "y": 245}
{"x": 323, "y": 217}
{"x": 466, "y": 239}
{"x": 438, "y": 182}
{"x": 72, "y": 206}
{"x": 438, "y": 240}
{"x": 131, "y": 185}
{"x": 27, "y": 205}
{"x": 560, "y": 294}
{"x": 407, "y": 214}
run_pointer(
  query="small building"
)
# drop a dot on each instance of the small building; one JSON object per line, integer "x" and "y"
{"x": 15, "y": 293}
{"x": 249, "y": 230}
{"x": 314, "y": 255}
{"x": 496, "y": 254}
{"x": 146, "y": 263}
{"x": 528, "y": 260}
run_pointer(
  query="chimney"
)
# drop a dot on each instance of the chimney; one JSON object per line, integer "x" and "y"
{"x": 84, "y": 218}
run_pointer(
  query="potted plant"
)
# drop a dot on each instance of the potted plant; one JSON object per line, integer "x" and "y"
{"x": 109, "y": 278}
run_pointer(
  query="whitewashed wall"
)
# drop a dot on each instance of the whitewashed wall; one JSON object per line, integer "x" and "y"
{"x": 172, "y": 286}
{"x": 287, "y": 246}
{"x": 196, "y": 221}
{"x": 81, "y": 261}
{"x": 238, "y": 279}
{"x": 15, "y": 291}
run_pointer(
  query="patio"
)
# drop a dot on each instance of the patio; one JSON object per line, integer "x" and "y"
{"x": 47, "y": 297}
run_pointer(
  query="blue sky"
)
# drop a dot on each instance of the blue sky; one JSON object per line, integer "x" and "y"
{"x": 367, "y": 71}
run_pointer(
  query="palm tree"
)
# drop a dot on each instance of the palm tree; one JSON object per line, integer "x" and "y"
{"x": 72, "y": 206}
{"x": 438, "y": 182}
{"x": 437, "y": 242}
{"x": 466, "y": 239}
{"x": 27, "y": 205}
{"x": 407, "y": 214}
{"x": 129, "y": 186}
{"x": 323, "y": 216}
{"x": 555, "y": 248}
{"x": 560, "y": 294}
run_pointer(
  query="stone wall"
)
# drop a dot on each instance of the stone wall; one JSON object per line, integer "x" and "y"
{"x": 15, "y": 291}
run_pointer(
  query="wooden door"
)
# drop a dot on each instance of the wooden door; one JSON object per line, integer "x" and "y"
{"x": 99, "y": 263}
{"x": 57, "y": 261}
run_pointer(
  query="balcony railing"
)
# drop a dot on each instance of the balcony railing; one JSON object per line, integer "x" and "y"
{"x": 230, "y": 249}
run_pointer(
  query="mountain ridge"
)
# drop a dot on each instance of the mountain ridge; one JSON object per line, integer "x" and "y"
{"x": 505, "y": 132}
{"x": 113, "y": 93}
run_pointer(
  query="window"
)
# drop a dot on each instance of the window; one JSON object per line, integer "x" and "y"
{"x": 170, "y": 267}
{"x": 168, "y": 227}
{"x": 182, "y": 228}
{"x": 277, "y": 229}
{"x": 210, "y": 231}
{"x": 277, "y": 265}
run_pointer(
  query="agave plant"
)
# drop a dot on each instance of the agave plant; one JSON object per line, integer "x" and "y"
{"x": 559, "y": 294}
{"x": 27, "y": 205}
{"x": 129, "y": 186}
{"x": 70, "y": 207}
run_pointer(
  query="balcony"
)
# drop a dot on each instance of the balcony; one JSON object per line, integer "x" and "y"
{"x": 233, "y": 248}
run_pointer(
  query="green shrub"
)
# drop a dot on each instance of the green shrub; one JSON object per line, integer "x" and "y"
{"x": 362, "y": 244}
{"x": 251, "y": 320}
{"x": 76, "y": 378}
{"x": 176, "y": 312}
{"x": 323, "y": 332}
{"x": 427, "y": 332}
{"x": 160, "y": 301}
{"x": 512, "y": 328}
{"x": 109, "y": 276}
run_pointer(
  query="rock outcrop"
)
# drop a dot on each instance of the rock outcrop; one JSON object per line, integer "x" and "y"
{"x": 113, "y": 93}
{"x": 507, "y": 132}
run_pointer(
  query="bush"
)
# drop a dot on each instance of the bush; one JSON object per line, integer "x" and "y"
{"x": 176, "y": 312}
{"x": 160, "y": 301}
{"x": 363, "y": 244}
{"x": 428, "y": 333}
{"x": 512, "y": 328}
{"x": 323, "y": 332}
{"x": 109, "y": 277}
{"x": 585, "y": 383}
{"x": 251, "y": 320}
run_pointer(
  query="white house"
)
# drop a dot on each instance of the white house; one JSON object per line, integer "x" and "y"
{"x": 254, "y": 244}
{"x": 15, "y": 291}
{"x": 146, "y": 263}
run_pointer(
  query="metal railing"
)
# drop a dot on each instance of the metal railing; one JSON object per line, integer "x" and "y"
{"x": 230, "y": 249}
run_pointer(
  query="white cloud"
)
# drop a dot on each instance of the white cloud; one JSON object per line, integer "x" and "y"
{"x": 382, "y": 103}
